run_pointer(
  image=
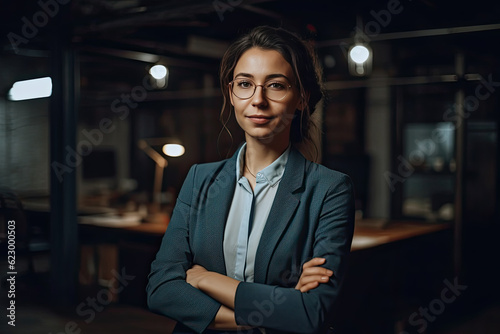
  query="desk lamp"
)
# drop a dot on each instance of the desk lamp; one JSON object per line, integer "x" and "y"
{"x": 170, "y": 147}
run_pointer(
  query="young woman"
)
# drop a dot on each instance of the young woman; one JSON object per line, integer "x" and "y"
{"x": 259, "y": 241}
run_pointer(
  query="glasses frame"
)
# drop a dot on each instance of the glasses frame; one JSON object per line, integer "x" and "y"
{"x": 255, "y": 89}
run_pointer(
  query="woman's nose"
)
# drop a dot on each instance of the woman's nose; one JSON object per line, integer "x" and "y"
{"x": 259, "y": 97}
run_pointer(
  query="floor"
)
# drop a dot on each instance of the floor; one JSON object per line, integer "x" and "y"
{"x": 35, "y": 314}
{"x": 486, "y": 321}
{"x": 113, "y": 319}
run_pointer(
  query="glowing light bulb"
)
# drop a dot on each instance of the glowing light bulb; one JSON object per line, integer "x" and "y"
{"x": 359, "y": 54}
{"x": 31, "y": 89}
{"x": 173, "y": 150}
{"x": 158, "y": 72}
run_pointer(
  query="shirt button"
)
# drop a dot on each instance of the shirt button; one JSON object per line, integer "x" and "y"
{"x": 259, "y": 174}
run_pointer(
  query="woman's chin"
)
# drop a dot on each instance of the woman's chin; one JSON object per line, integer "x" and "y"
{"x": 267, "y": 137}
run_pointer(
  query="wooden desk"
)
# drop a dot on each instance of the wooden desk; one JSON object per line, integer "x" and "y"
{"x": 111, "y": 233}
{"x": 153, "y": 229}
{"x": 106, "y": 249}
{"x": 368, "y": 233}
{"x": 394, "y": 269}
{"x": 372, "y": 233}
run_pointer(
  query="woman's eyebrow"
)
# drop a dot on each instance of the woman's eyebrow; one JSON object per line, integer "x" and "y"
{"x": 246, "y": 75}
{"x": 268, "y": 77}
{"x": 277, "y": 75}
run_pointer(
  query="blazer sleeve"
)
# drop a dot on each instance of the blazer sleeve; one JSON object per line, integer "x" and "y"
{"x": 168, "y": 292}
{"x": 287, "y": 309}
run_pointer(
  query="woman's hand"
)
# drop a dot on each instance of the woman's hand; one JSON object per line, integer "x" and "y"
{"x": 312, "y": 275}
{"x": 217, "y": 286}
{"x": 195, "y": 275}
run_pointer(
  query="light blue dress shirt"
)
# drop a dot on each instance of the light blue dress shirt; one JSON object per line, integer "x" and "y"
{"x": 248, "y": 215}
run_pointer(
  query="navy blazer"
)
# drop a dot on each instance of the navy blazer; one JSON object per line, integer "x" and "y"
{"x": 312, "y": 216}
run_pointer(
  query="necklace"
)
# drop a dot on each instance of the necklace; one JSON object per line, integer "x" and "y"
{"x": 249, "y": 171}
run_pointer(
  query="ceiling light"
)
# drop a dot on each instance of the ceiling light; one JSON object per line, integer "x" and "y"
{"x": 31, "y": 89}
{"x": 158, "y": 72}
{"x": 359, "y": 54}
{"x": 360, "y": 60}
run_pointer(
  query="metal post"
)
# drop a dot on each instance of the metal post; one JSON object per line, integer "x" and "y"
{"x": 63, "y": 125}
{"x": 460, "y": 133}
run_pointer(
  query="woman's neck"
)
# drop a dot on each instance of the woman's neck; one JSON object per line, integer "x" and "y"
{"x": 259, "y": 154}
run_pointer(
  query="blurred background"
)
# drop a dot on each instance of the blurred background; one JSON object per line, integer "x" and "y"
{"x": 93, "y": 91}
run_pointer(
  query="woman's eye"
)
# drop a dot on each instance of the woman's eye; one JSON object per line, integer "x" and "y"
{"x": 276, "y": 86}
{"x": 245, "y": 84}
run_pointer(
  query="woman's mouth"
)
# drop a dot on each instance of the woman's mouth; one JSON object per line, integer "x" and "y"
{"x": 260, "y": 119}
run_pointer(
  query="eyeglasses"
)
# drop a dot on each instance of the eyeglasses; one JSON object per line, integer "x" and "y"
{"x": 275, "y": 90}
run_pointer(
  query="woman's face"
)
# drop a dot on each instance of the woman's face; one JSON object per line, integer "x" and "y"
{"x": 260, "y": 117}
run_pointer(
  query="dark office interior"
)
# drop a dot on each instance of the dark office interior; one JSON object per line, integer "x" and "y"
{"x": 84, "y": 177}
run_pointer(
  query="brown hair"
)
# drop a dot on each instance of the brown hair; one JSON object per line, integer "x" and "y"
{"x": 306, "y": 69}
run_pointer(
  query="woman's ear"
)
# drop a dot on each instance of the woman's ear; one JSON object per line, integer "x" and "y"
{"x": 304, "y": 100}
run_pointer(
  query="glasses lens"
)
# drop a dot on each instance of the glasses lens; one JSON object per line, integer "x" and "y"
{"x": 243, "y": 88}
{"x": 274, "y": 90}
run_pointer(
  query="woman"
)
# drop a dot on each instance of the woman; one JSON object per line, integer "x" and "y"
{"x": 258, "y": 241}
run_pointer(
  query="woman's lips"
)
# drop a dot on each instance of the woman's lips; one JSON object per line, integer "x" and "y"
{"x": 260, "y": 119}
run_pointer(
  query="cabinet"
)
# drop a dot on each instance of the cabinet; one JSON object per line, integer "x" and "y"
{"x": 423, "y": 177}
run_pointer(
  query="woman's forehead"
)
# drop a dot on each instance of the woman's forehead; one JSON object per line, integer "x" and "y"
{"x": 259, "y": 63}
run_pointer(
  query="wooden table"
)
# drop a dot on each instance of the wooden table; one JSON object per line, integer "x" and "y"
{"x": 368, "y": 233}
{"x": 107, "y": 249}
{"x": 372, "y": 233}
{"x": 395, "y": 267}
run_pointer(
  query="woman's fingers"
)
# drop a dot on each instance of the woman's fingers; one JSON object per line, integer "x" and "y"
{"x": 317, "y": 261}
{"x": 317, "y": 271}
{"x": 308, "y": 280}
{"x": 312, "y": 275}
{"x": 314, "y": 278}
{"x": 309, "y": 286}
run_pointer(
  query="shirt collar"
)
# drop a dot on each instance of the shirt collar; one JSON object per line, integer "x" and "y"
{"x": 271, "y": 174}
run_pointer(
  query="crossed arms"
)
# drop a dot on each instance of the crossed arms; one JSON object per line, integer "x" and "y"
{"x": 223, "y": 289}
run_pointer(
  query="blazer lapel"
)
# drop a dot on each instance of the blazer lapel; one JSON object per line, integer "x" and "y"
{"x": 220, "y": 195}
{"x": 284, "y": 205}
